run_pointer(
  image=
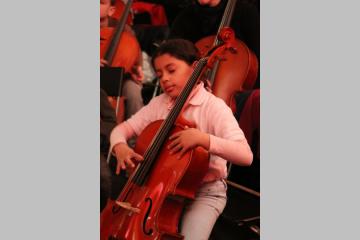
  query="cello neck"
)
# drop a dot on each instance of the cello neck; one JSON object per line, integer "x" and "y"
{"x": 226, "y": 19}
{"x": 110, "y": 52}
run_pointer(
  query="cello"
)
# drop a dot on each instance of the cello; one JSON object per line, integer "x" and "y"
{"x": 238, "y": 68}
{"x": 150, "y": 205}
{"x": 119, "y": 48}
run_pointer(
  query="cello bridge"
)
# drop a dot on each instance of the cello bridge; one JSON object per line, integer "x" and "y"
{"x": 127, "y": 206}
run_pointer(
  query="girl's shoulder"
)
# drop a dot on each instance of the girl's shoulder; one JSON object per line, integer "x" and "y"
{"x": 215, "y": 100}
{"x": 216, "y": 104}
{"x": 203, "y": 96}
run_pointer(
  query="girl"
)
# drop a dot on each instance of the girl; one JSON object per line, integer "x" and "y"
{"x": 217, "y": 131}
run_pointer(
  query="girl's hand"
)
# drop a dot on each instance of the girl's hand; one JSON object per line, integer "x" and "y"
{"x": 187, "y": 139}
{"x": 137, "y": 74}
{"x": 103, "y": 63}
{"x": 125, "y": 156}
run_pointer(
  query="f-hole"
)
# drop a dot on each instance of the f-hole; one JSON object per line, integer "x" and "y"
{"x": 150, "y": 231}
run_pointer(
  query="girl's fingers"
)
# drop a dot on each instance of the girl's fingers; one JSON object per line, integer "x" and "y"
{"x": 138, "y": 157}
{"x": 173, "y": 143}
{"x": 175, "y": 135}
{"x": 123, "y": 166}
{"x": 130, "y": 163}
{"x": 176, "y": 148}
{"x": 119, "y": 166}
{"x": 183, "y": 151}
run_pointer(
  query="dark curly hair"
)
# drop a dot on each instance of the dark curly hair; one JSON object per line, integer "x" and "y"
{"x": 179, "y": 48}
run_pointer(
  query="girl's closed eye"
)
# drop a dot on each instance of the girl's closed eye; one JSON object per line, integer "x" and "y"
{"x": 158, "y": 74}
{"x": 171, "y": 69}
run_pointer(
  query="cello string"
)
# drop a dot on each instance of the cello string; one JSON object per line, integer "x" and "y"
{"x": 231, "y": 11}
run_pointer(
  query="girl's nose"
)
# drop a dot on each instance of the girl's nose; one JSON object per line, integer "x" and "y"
{"x": 164, "y": 78}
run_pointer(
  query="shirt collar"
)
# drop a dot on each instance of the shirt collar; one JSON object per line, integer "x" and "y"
{"x": 197, "y": 96}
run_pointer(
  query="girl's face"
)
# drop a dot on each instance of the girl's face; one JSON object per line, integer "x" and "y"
{"x": 173, "y": 74}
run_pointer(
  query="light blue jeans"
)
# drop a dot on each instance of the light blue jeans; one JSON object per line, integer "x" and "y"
{"x": 201, "y": 214}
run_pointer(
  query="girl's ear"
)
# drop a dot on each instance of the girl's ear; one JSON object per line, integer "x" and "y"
{"x": 111, "y": 11}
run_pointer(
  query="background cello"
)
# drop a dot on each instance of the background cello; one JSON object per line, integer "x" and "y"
{"x": 237, "y": 70}
{"x": 119, "y": 48}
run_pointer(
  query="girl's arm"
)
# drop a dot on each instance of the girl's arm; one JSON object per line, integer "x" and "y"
{"x": 237, "y": 152}
{"x": 124, "y": 131}
{"x": 121, "y": 133}
{"x": 225, "y": 138}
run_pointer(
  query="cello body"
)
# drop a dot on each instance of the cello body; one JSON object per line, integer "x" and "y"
{"x": 119, "y": 10}
{"x": 127, "y": 51}
{"x": 161, "y": 199}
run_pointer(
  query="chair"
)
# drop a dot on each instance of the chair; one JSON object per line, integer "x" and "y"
{"x": 111, "y": 80}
